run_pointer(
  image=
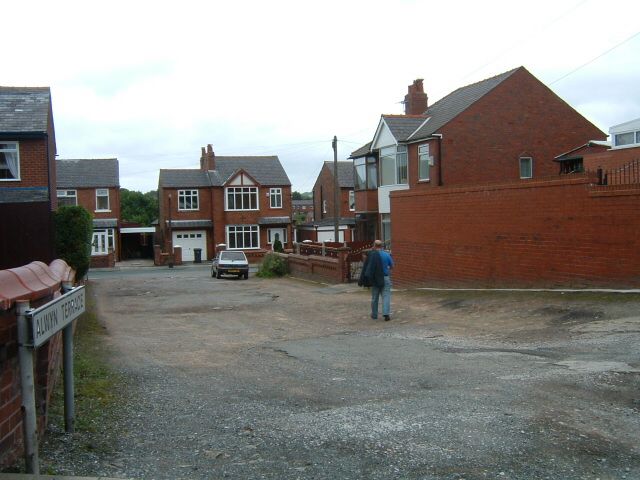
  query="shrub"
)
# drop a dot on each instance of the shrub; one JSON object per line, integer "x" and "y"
{"x": 277, "y": 246}
{"x": 273, "y": 265}
{"x": 74, "y": 229}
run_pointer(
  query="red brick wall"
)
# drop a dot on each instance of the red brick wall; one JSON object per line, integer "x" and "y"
{"x": 87, "y": 199}
{"x": 533, "y": 234}
{"x": 610, "y": 159}
{"x": 34, "y": 168}
{"x": 324, "y": 190}
{"x": 521, "y": 116}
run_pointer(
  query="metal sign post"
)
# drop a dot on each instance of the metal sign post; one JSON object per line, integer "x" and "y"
{"x": 36, "y": 327}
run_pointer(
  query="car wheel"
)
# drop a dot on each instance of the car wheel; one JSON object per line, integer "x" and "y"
{"x": 239, "y": 276}
{"x": 246, "y": 276}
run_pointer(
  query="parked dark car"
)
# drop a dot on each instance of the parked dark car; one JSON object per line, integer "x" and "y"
{"x": 230, "y": 262}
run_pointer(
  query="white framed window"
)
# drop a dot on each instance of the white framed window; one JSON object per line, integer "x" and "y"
{"x": 385, "y": 220}
{"x": 67, "y": 197}
{"x": 275, "y": 197}
{"x": 242, "y": 198}
{"x": 102, "y": 200}
{"x": 526, "y": 167}
{"x": 352, "y": 200}
{"x": 393, "y": 165}
{"x": 424, "y": 162}
{"x": 103, "y": 241}
{"x": 243, "y": 236}
{"x": 366, "y": 173}
{"x": 188, "y": 200}
{"x": 9, "y": 161}
{"x": 279, "y": 232}
{"x": 626, "y": 139}
{"x": 324, "y": 206}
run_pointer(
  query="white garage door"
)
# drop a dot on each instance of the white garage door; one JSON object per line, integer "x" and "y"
{"x": 189, "y": 240}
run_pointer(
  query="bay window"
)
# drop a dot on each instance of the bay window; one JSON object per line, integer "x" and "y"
{"x": 366, "y": 173}
{"x": 393, "y": 165}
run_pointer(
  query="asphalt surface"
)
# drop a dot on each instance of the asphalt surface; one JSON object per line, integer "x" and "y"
{"x": 291, "y": 379}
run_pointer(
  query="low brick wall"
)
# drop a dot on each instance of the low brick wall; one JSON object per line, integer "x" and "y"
{"x": 39, "y": 284}
{"x": 103, "y": 261}
{"x": 315, "y": 267}
{"x": 161, "y": 258}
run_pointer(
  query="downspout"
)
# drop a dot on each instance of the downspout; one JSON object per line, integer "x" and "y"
{"x": 439, "y": 137}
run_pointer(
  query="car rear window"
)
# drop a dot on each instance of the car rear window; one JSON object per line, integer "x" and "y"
{"x": 232, "y": 256}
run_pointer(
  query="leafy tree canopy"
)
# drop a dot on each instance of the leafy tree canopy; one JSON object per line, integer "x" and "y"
{"x": 302, "y": 196}
{"x": 138, "y": 207}
{"x": 74, "y": 230}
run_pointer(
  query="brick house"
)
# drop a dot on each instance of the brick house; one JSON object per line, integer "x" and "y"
{"x": 323, "y": 226}
{"x": 509, "y": 127}
{"x": 303, "y": 210}
{"x": 242, "y": 202}
{"x": 27, "y": 175}
{"x": 95, "y": 185}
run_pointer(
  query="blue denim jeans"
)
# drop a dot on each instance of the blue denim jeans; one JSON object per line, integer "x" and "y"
{"x": 386, "y": 298}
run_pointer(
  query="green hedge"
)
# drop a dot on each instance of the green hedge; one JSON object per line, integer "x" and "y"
{"x": 272, "y": 265}
{"x": 74, "y": 230}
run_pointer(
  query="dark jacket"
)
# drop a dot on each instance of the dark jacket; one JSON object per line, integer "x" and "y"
{"x": 372, "y": 271}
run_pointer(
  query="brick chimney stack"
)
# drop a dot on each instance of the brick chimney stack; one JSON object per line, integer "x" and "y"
{"x": 207, "y": 159}
{"x": 415, "y": 101}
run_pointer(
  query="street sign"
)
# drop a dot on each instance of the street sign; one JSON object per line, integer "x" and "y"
{"x": 55, "y": 315}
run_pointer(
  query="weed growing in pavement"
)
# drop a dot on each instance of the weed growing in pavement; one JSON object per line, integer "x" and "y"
{"x": 97, "y": 384}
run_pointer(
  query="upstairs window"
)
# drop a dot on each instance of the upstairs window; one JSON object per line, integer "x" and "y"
{"x": 424, "y": 162}
{"x": 67, "y": 197}
{"x": 366, "y": 173}
{"x": 352, "y": 200}
{"x": 102, "y": 199}
{"x": 188, "y": 200}
{"x": 393, "y": 165}
{"x": 275, "y": 197}
{"x": 9, "y": 162}
{"x": 626, "y": 139}
{"x": 526, "y": 167}
{"x": 242, "y": 198}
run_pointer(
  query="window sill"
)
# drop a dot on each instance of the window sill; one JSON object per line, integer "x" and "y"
{"x": 424, "y": 180}
{"x": 9, "y": 179}
{"x": 102, "y": 211}
{"x": 189, "y": 210}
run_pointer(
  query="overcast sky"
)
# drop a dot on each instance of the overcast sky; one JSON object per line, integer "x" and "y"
{"x": 150, "y": 82}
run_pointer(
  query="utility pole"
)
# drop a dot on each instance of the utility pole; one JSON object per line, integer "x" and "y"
{"x": 336, "y": 192}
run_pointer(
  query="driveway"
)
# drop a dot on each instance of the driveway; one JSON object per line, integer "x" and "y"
{"x": 289, "y": 379}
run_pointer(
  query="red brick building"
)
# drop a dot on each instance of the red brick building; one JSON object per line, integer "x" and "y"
{"x": 27, "y": 175}
{"x": 506, "y": 128}
{"x": 95, "y": 185}
{"x": 322, "y": 228}
{"x": 242, "y": 202}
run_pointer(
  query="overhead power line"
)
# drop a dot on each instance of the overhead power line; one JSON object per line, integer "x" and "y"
{"x": 596, "y": 58}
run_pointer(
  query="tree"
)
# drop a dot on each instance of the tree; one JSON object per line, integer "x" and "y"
{"x": 296, "y": 196}
{"x": 74, "y": 230}
{"x": 138, "y": 207}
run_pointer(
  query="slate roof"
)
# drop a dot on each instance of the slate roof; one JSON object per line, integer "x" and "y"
{"x": 24, "y": 109}
{"x": 362, "y": 151}
{"x": 409, "y": 128}
{"x": 345, "y": 173}
{"x": 449, "y": 107}
{"x": 87, "y": 173}
{"x": 265, "y": 170}
{"x": 24, "y": 194}
{"x": 273, "y": 220}
{"x": 174, "y": 178}
{"x": 402, "y": 126}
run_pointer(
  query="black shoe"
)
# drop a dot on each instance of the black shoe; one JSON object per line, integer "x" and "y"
{"x": 387, "y": 318}
{"x": 374, "y": 318}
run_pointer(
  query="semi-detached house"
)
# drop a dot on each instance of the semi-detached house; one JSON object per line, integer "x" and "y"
{"x": 509, "y": 127}
{"x": 95, "y": 185}
{"x": 243, "y": 202}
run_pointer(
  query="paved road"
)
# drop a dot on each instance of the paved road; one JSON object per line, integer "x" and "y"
{"x": 291, "y": 379}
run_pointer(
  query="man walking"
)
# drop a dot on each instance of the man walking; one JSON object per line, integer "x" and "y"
{"x": 377, "y": 272}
